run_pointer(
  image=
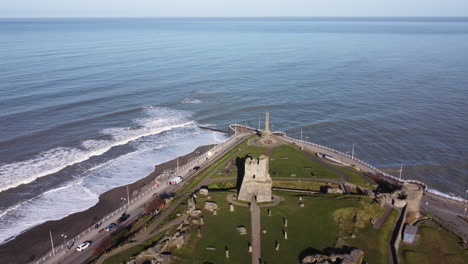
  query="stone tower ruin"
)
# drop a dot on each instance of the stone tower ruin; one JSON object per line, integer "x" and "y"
{"x": 257, "y": 181}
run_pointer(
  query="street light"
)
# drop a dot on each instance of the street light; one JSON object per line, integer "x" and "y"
{"x": 64, "y": 237}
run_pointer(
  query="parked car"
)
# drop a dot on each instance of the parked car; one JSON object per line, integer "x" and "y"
{"x": 196, "y": 168}
{"x": 110, "y": 226}
{"x": 123, "y": 218}
{"x": 176, "y": 180}
{"x": 84, "y": 245}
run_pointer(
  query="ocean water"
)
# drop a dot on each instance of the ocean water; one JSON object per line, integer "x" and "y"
{"x": 90, "y": 104}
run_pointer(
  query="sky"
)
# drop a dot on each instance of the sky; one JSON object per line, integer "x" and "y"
{"x": 233, "y": 8}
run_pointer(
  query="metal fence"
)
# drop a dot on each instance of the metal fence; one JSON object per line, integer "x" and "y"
{"x": 206, "y": 155}
{"x": 280, "y": 133}
{"x": 184, "y": 167}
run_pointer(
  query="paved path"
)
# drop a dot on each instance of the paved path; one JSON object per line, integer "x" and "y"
{"x": 379, "y": 223}
{"x": 255, "y": 223}
{"x": 147, "y": 234}
{"x": 136, "y": 208}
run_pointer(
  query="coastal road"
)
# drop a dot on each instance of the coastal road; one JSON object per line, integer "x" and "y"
{"x": 136, "y": 208}
{"x": 448, "y": 211}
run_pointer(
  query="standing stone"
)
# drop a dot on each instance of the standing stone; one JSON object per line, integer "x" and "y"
{"x": 276, "y": 245}
{"x": 269, "y": 212}
{"x": 286, "y": 235}
{"x": 300, "y": 198}
{"x": 194, "y": 195}
{"x": 301, "y": 205}
{"x": 231, "y": 207}
{"x": 203, "y": 191}
{"x": 285, "y": 222}
{"x": 215, "y": 212}
{"x": 227, "y": 252}
{"x": 250, "y": 248}
{"x": 208, "y": 197}
{"x": 202, "y": 222}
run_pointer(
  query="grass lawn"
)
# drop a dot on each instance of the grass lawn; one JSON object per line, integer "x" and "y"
{"x": 310, "y": 227}
{"x": 127, "y": 254}
{"x": 254, "y": 151}
{"x": 375, "y": 242}
{"x": 299, "y": 185}
{"x": 219, "y": 231}
{"x": 287, "y": 160}
{"x": 356, "y": 177}
{"x": 433, "y": 244}
{"x": 195, "y": 181}
{"x": 222, "y": 185}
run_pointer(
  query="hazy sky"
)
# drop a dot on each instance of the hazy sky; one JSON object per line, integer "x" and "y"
{"x": 217, "y": 8}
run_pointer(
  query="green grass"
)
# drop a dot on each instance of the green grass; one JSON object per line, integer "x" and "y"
{"x": 254, "y": 151}
{"x": 287, "y": 160}
{"x": 222, "y": 185}
{"x": 298, "y": 185}
{"x": 433, "y": 244}
{"x": 219, "y": 231}
{"x": 127, "y": 254}
{"x": 310, "y": 227}
{"x": 374, "y": 242}
{"x": 213, "y": 167}
{"x": 355, "y": 177}
{"x": 180, "y": 209}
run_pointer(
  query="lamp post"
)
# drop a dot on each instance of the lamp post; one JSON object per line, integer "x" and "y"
{"x": 64, "y": 237}
{"x": 52, "y": 242}
{"x": 123, "y": 200}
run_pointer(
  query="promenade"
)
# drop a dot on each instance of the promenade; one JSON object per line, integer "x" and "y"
{"x": 135, "y": 208}
{"x": 446, "y": 211}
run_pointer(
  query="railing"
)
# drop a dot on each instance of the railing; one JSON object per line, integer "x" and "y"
{"x": 282, "y": 134}
{"x": 206, "y": 155}
{"x": 184, "y": 167}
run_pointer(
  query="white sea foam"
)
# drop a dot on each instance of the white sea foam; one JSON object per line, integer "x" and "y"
{"x": 446, "y": 195}
{"x": 51, "y": 205}
{"x": 156, "y": 120}
{"x": 161, "y": 135}
{"x": 191, "y": 101}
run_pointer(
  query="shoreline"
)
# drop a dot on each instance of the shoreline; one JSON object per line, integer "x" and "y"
{"x": 37, "y": 240}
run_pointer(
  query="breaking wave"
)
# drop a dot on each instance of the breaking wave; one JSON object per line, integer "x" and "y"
{"x": 156, "y": 120}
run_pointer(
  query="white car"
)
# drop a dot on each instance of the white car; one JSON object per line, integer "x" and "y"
{"x": 176, "y": 180}
{"x": 83, "y": 246}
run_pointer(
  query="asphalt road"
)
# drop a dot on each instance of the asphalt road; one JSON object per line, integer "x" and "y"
{"x": 136, "y": 208}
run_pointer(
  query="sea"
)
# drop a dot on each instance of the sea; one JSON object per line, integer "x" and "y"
{"x": 87, "y": 105}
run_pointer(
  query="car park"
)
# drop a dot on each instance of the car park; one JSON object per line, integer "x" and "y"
{"x": 110, "y": 226}
{"x": 83, "y": 245}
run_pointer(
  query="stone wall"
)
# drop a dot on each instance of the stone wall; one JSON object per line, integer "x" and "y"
{"x": 257, "y": 181}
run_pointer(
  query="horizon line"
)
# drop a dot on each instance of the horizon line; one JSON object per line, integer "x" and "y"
{"x": 217, "y": 17}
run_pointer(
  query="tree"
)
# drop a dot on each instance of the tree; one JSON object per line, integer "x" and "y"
{"x": 153, "y": 205}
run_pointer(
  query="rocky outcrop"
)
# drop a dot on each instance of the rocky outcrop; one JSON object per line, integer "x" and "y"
{"x": 211, "y": 206}
{"x": 355, "y": 256}
{"x": 159, "y": 253}
{"x": 334, "y": 191}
